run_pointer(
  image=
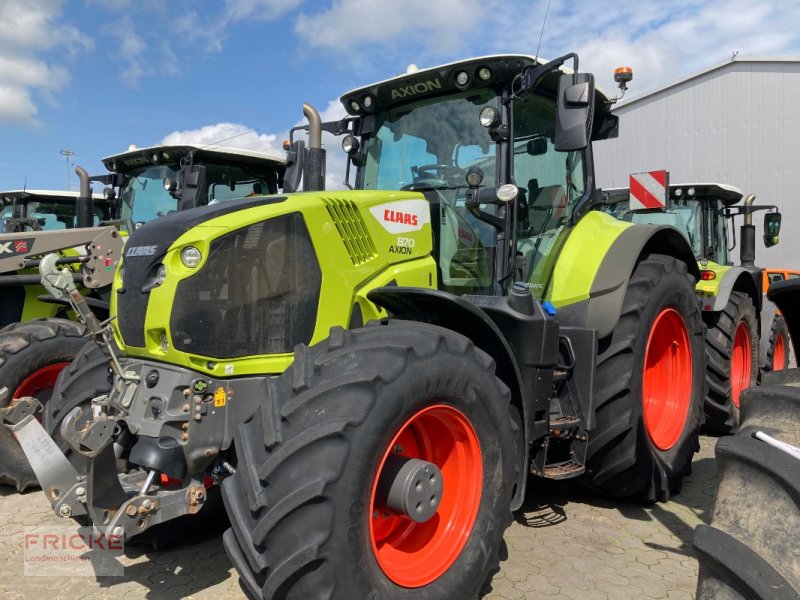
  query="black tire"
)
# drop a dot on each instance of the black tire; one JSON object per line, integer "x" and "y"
{"x": 307, "y": 459}
{"x": 749, "y": 550}
{"x": 87, "y": 377}
{"x": 25, "y": 349}
{"x": 622, "y": 460}
{"x": 779, "y": 334}
{"x": 720, "y": 406}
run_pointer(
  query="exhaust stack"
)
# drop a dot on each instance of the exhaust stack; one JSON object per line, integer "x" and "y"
{"x": 747, "y": 251}
{"x": 314, "y": 169}
{"x": 83, "y": 205}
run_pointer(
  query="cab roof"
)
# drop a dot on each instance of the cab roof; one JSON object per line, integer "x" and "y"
{"x": 46, "y": 195}
{"x": 409, "y": 87}
{"x": 137, "y": 157}
{"x": 728, "y": 194}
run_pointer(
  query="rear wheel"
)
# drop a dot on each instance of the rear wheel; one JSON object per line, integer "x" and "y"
{"x": 309, "y": 507}
{"x": 32, "y": 354}
{"x": 649, "y": 387}
{"x": 732, "y": 361}
{"x": 779, "y": 346}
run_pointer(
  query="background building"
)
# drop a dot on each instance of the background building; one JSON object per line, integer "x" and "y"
{"x": 735, "y": 123}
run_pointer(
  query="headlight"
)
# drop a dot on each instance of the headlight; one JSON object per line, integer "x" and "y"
{"x": 350, "y": 144}
{"x": 191, "y": 257}
{"x": 164, "y": 343}
{"x": 161, "y": 274}
{"x": 507, "y": 192}
{"x": 489, "y": 116}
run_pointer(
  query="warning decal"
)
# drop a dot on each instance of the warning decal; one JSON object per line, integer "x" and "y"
{"x": 649, "y": 190}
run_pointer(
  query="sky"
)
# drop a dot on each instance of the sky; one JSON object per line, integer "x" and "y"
{"x": 95, "y": 76}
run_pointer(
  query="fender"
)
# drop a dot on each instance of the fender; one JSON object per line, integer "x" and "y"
{"x": 459, "y": 315}
{"x": 786, "y": 295}
{"x": 740, "y": 280}
{"x": 768, "y": 313}
{"x": 607, "y": 291}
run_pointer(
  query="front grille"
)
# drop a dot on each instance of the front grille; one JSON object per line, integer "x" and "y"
{"x": 352, "y": 229}
{"x": 256, "y": 294}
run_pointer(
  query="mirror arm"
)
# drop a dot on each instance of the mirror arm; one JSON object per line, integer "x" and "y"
{"x": 532, "y": 76}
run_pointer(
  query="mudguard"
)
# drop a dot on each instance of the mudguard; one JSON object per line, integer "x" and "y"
{"x": 455, "y": 313}
{"x": 736, "y": 278}
{"x": 596, "y": 303}
{"x": 786, "y": 295}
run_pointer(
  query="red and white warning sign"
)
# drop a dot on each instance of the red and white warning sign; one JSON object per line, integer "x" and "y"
{"x": 649, "y": 190}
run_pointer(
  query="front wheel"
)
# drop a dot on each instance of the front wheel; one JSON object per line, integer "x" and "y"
{"x": 381, "y": 466}
{"x": 649, "y": 387}
{"x": 32, "y": 354}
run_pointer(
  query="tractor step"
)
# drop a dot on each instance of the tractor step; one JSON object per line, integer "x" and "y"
{"x": 564, "y": 470}
{"x": 564, "y": 423}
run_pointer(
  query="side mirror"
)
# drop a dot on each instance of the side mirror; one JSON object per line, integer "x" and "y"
{"x": 537, "y": 147}
{"x": 575, "y": 111}
{"x": 192, "y": 185}
{"x": 772, "y": 228}
{"x": 294, "y": 167}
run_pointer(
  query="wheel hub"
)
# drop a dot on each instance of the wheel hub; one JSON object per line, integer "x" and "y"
{"x": 410, "y": 487}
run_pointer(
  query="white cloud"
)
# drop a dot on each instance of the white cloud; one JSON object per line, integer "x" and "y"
{"x": 234, "y": 135}
{"x": 29, "y": 30}
{"x": 237, "y": 135}
{"x": 16, "y": 105}
{"x": 433, "y": 27}
{"x": 130, "y": 48}
{"x": 260, "y": 10}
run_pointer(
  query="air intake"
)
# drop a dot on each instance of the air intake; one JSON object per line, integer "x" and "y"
{"x": 352, "y": 229}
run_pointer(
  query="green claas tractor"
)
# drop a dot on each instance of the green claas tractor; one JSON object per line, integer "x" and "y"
{"x": 371, "y": 375}
{"x": 742, "y": 326}
{"x": 40, "y": 333}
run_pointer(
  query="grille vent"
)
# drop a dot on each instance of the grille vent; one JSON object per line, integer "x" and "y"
{"x": 352, "y": 229}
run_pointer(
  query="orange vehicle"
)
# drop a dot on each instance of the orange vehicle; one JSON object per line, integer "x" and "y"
{"x": 778, "y": 352}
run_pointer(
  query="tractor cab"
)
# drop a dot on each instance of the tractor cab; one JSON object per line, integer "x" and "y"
{"x": 161, "y": 180}
{"x": 697, "y": 210}
{"x": 504, "y": 165}
{"x": 46, "y": 210}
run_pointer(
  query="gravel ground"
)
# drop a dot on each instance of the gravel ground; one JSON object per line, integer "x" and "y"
{"x": 564, "y": 544}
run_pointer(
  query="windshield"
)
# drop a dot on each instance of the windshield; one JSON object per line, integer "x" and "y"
{"x": 432, "y": 142}
{"x": 428, "y": 146}
{"x": 50, "y": 215}
{"x": 144, "y": 197}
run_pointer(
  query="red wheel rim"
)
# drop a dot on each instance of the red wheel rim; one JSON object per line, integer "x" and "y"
{"x": 667, "y": 381}
{"x": 741, "y": 361}
{"x": 40, "y": 383}
{"x": 415, "y": 554}
{"x": 779, "y": 354}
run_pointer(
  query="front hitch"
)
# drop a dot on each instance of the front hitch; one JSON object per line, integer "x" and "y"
{"x": 64, "y": 487}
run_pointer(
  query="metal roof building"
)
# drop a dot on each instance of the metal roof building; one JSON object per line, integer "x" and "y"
{"x": 736, "y": 123}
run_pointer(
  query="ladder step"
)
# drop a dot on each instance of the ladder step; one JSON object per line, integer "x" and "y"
{"x": 563, "y": 470}
{"x": 565, "y": 422}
